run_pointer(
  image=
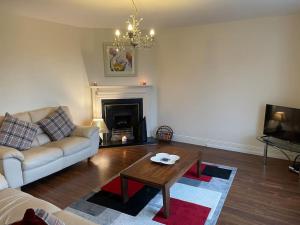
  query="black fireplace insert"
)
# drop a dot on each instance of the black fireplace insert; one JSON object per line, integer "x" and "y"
{"x": 124, "y": 117}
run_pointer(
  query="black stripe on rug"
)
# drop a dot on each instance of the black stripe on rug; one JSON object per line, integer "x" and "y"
{"x": 214, "y": 171}
{"x": 134, "y": 205}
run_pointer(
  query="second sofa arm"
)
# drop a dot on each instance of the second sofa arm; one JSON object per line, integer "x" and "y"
{"x": 85, "y": 131}
{"x": 11, "y": 166}
{"x": 3, "y": 183}
{"x": 7, "y": 152}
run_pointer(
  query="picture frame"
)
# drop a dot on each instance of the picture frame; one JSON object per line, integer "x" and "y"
{"x": 119, "y": 63}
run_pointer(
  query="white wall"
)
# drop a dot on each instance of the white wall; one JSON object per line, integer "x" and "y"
{"x": 215, "y": 80}
{"x": 41, "y": 65}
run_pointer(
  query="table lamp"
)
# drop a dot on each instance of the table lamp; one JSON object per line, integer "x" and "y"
{"x": 280, "y": 118}
{"x": 99, "y": 122}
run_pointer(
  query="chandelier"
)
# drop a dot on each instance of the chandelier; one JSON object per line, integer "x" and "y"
{"x": 134, "y": 35}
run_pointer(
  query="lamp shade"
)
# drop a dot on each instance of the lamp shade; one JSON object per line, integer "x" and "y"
{"x": 101, "y": 124}
{"x": 279, "y": 116}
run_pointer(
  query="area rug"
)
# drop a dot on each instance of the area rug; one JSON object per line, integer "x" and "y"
{"x": 194, "y": 201}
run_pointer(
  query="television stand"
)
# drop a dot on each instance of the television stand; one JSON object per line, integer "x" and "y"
{"x": 280, "y": 145}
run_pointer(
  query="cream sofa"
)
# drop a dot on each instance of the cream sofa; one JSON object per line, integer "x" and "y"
{"x": 13, "y": 204}
{"x": 46, "y": 157}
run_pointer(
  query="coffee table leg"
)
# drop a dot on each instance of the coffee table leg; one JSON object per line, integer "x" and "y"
{"x": 198, "y": 168}
{"x": 124, "y": 189}
{"x": 166, "y": 200}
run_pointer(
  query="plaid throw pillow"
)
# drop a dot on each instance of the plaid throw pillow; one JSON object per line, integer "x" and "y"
{"x": 57, "y": 125}
{"x": 16, "y": 133}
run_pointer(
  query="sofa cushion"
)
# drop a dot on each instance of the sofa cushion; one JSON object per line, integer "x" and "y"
{"x": 40, "y": 139}
{"x": 39, "y": 156}
{"x": 85, "y": 131}
{"x": 17, "y": 133}
{"x": 57, "y": 125}
{"x": 70, "y": 145}
{"x": 13, "y": 204}
{"x": 25, "y": 116}
{"x": 39, "y": 114}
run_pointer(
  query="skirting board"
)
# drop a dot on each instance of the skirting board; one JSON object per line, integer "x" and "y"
{"x": 229, "y": 146}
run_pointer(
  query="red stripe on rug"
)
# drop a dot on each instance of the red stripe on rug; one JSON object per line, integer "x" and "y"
{"x": 115, "y": 187}
{"x": 133, "y": 187}
{"x": 182, "y": 212}
{"x": 192, "y": 173}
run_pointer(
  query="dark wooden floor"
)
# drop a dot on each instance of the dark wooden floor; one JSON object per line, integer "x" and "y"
{"x": 259, "y": 195}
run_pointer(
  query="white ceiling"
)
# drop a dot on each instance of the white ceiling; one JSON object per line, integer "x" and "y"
{"x": 156, "y": 13}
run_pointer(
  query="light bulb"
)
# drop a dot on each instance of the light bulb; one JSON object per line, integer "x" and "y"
{"x": 130, "y": 28}
{"x": 152, "y": 32}
{"x": 117, "y": 33}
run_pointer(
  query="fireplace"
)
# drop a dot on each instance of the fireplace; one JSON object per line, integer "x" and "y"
{"x": 124, "y": 117}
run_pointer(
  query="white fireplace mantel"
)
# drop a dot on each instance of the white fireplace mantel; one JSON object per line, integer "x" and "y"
{"x": 126, "y": 92}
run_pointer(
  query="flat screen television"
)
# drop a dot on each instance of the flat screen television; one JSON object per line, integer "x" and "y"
{"x": 282, "y": 123}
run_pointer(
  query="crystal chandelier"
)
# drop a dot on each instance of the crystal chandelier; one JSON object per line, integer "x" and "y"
{"x": 134, "y": 36}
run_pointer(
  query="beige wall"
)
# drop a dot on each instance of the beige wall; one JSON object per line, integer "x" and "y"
{"x": 41, "y": 65}
{"x": 215, "y": 80}
{"x": 146, "y": 69}
{"x": 220, "y": 75}
{"x": 92, "y": 52}
{"x": 45, "y": 64}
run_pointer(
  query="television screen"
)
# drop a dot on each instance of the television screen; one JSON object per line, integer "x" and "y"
{"x": 282, "y": 123}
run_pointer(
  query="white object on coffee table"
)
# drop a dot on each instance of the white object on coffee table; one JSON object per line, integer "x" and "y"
{"x": 165, "y": 158}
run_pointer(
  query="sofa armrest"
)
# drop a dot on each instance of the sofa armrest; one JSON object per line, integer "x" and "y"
{"x": 85, "y": 131}
{"x": 7, "y": 153}
{"x": 70, "y": 218}
{"x": 11, "y": 166}
{"x": 3, "y": 182}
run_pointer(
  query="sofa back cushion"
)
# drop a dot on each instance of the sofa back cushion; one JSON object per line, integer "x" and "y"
{"x": 25, "y": 116}
{"x": 39, "y": 114}
{"x": 40, "y": 139}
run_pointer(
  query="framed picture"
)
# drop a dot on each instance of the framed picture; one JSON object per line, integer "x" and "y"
{"x": 119, "y": 63}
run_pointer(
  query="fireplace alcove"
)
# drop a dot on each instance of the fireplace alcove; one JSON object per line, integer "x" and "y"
{"x": 124, "y": 117}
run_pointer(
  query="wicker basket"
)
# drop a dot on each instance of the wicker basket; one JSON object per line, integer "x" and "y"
{"x": 164, "y": 133}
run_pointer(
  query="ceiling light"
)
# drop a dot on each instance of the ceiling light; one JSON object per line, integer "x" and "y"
{"x": 134, "y": 35}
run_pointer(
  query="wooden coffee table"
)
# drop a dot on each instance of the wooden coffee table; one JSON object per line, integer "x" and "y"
{"x": 160, "y": 176}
